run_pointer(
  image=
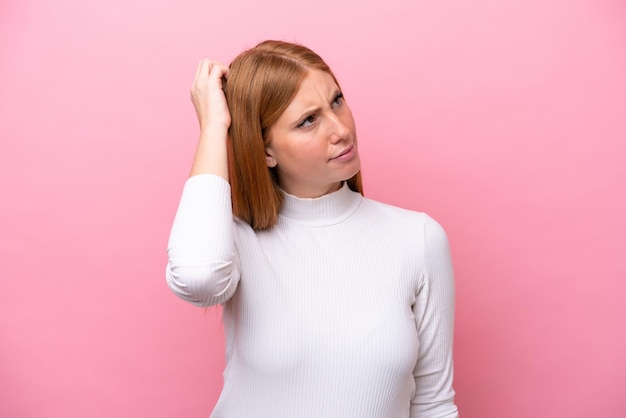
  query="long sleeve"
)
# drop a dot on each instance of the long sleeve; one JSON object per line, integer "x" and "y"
{"x": 202, "y": 267}
{"x": 320, "y": 322}
{"x": 434, "y": 313}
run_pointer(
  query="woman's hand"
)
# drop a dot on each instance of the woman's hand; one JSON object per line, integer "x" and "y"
{"x": 212, "y": 110}
{"x": 208, "y": 96}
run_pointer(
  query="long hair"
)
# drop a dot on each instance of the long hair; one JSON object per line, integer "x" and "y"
{"x": 262, "y": 81}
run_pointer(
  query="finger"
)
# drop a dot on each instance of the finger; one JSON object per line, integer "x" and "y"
{"x": 218, "y": 71}
{"x": 225, "y": 71}
{"x": 203, "y": 68}
{"x": 199, "y": 69}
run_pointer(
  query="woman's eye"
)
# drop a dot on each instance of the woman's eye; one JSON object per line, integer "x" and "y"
{"x": 307, "y": 122}
{"x": 338, "y": 100}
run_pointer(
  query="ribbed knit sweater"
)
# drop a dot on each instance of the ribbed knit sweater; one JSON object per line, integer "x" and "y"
{"x": 344, "y": 309}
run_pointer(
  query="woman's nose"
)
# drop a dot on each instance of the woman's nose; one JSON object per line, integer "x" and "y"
{"x": 340, "y": 129}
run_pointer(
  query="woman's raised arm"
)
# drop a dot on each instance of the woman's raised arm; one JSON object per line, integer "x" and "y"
{"x": 209, "y": 101}
{"x": 202, "y": 267}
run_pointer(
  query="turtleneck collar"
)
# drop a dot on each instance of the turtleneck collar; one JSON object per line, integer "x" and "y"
{"x": 329, "y": 209}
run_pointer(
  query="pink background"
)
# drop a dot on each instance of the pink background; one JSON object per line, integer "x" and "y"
{"x": 505, "y": 120}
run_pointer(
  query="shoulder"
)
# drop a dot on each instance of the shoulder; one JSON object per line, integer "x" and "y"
{"x": 419, "y": 225}
{"x": 434, "y": 232}
{"x": 402, "y": 216}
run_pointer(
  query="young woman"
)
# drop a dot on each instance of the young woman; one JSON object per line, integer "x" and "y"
{"x": 334, "y": 305}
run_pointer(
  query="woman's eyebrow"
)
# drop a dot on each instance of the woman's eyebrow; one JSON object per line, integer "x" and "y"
{"x": 312, "y": 110}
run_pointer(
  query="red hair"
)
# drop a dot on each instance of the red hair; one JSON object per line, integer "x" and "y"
{"x": 262, "y": 81}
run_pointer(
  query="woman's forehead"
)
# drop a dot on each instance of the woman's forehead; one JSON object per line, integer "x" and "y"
{"x": 316, "y": 88}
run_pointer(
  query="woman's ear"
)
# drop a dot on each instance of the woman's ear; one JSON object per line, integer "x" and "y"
{"x": 269, "y": 158}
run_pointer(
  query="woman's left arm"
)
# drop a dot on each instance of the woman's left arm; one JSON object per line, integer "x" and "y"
{"x": 434, "y": 313}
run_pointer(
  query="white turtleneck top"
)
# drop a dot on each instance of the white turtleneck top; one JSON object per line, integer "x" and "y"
{"x": 344, "y": 309}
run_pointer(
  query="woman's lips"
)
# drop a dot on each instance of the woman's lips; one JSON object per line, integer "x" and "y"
{"x": 345, "y": 155}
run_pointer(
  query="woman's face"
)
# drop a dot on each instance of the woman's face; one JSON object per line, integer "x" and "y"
{"x": 313, "y": 143}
